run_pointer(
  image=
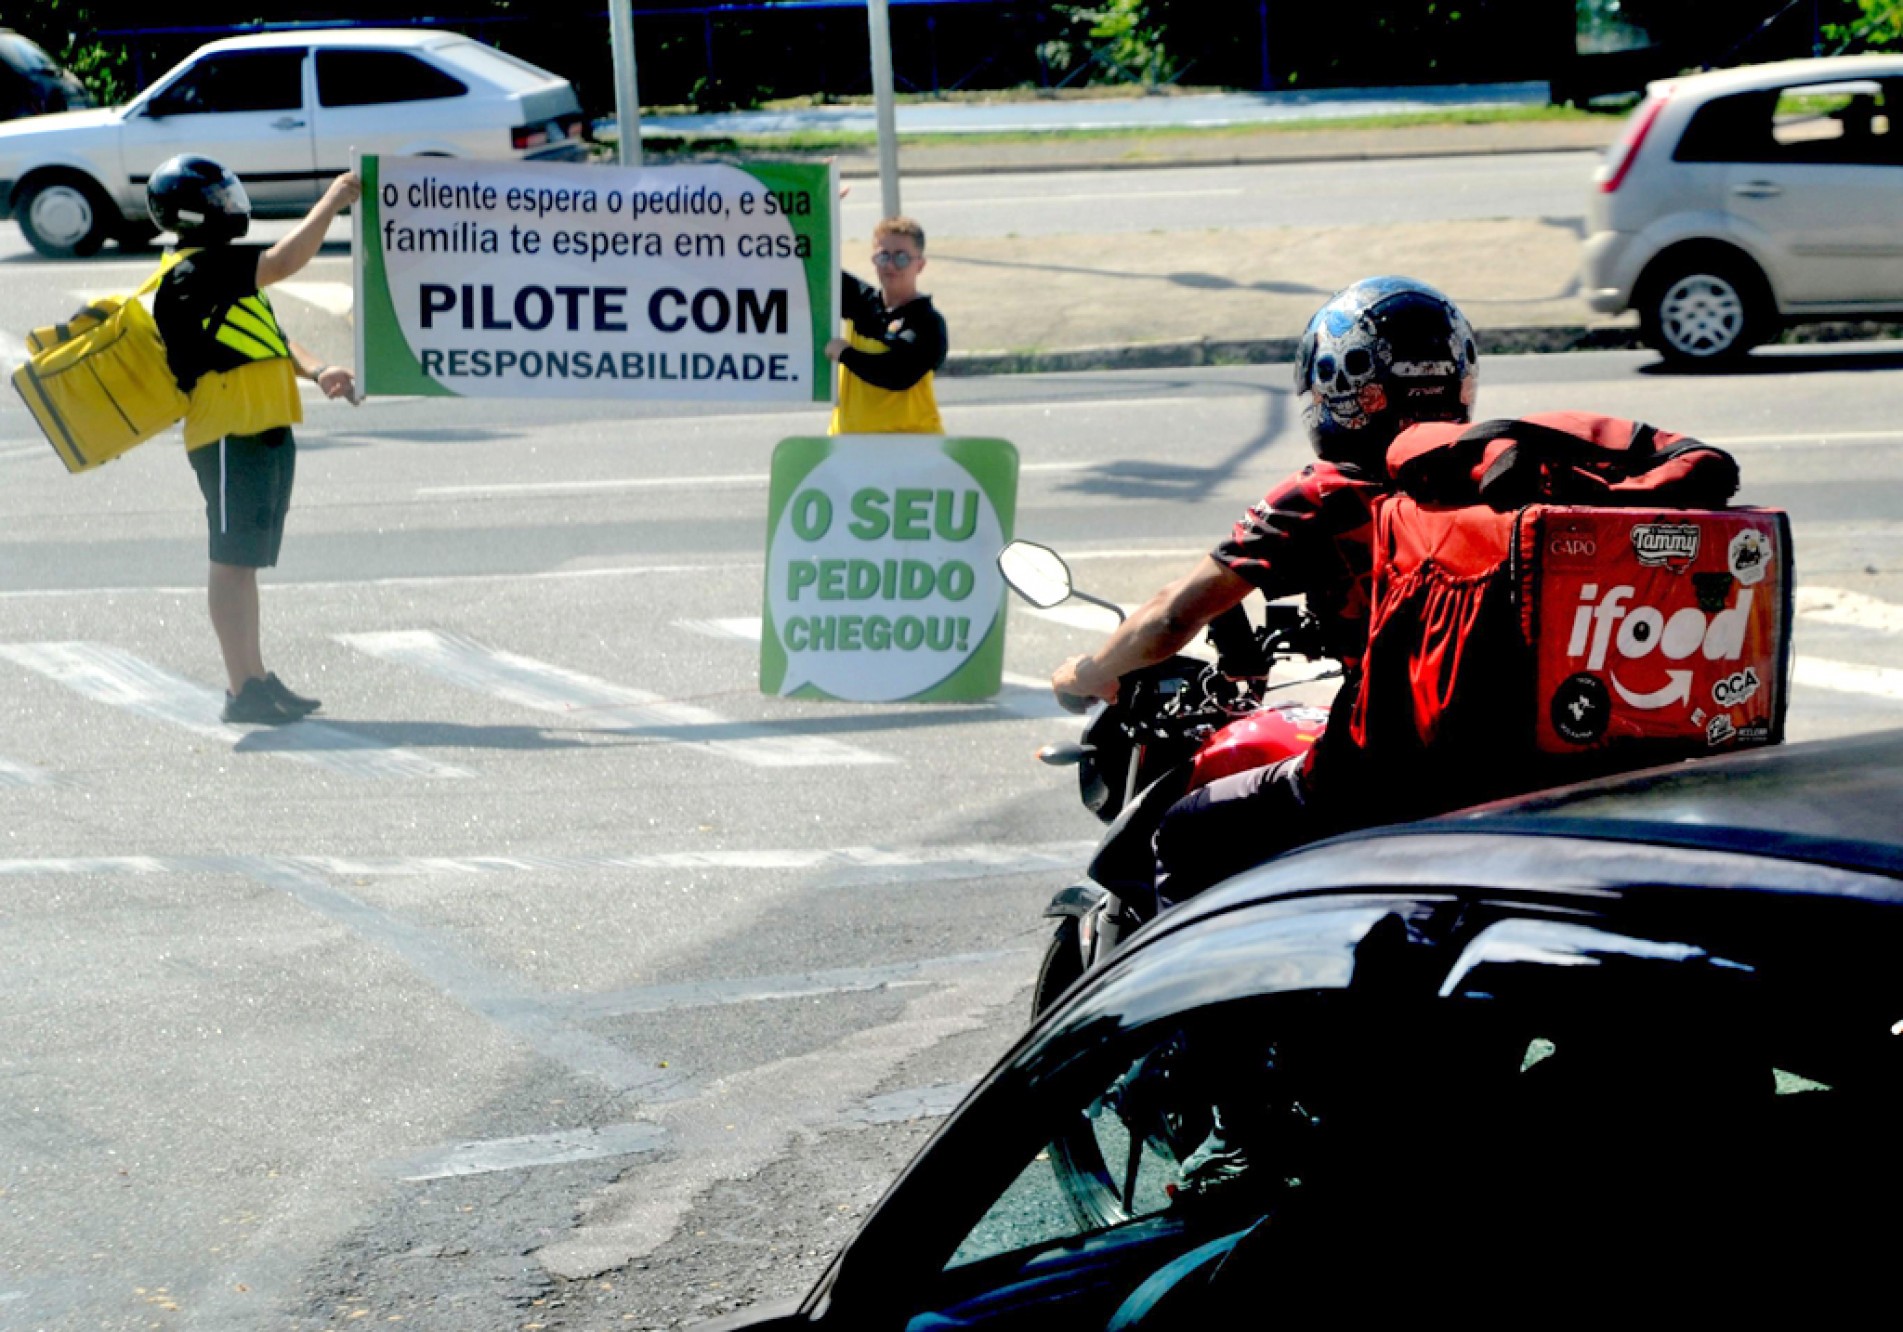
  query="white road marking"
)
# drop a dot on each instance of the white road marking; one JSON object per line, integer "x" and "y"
{"x": 836, "y": 867}
{"x": 1849, "y": 677}
{"x": 609, "y": 484}
{"x": 416, "y": 580}
{"x": 1061, "y": 199}
{"x": 1083, "y": 615}
{"x": 601, "y": 704}
{"x": 1812, "y": 440}
{"x": 23, "y": 774}
{"x": 535, "y": 1149}
{"x": 746, "y": 628}
{"x": 114, "y": 677}
{"x": 333, "y": 298}
{"x": 1022, "y": 695}
{"x": 1856, "y": 610}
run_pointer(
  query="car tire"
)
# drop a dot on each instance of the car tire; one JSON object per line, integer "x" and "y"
{"x": 66, "y": 217}
{"x": 1704, "y": 310}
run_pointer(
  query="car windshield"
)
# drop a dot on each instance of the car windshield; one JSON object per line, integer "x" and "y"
{"x": 24, "y": 55}
{"x": 1600, "y": 1113}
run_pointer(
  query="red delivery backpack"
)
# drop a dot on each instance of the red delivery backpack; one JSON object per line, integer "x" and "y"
{"x": 1563, "y": 596}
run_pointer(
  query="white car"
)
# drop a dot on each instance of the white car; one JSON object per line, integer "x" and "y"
{"x": 1743, "y": 200}
{"x": 285, "y": 111}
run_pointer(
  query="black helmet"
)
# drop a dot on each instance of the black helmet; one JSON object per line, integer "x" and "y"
{"x": 1381, "y": 355}
{"x": 198, "y": 199}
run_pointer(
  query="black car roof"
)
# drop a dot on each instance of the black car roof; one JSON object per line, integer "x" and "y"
{"x": 1824, "y": 818}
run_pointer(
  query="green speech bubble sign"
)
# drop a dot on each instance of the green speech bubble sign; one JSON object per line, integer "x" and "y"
{"x": 882, "y": 578}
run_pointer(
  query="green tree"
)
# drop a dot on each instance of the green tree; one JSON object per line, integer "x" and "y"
{"x": 1880, "y": 28}
{"x": 1123, "y": 39}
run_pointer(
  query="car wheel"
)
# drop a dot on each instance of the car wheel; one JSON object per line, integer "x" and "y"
{"x": 1703, "y": 313}
{"x": 66, "y": 218}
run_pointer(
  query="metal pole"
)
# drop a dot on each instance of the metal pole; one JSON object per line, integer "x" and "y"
{"x": 880, "y": 29}
{"x": 627, "y": 94}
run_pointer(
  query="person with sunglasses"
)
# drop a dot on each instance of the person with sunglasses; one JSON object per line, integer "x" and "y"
{"x": 895, "y": 341}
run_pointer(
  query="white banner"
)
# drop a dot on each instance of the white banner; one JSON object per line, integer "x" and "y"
{"x": 521, "y": 279}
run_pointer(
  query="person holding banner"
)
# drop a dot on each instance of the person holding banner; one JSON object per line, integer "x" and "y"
{"x": 895, "y": 341}
{"x": 229, "y": 354}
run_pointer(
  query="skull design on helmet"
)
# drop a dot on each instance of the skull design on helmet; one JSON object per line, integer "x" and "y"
{"x": 1349, "y": 356}
{"x": 1381, "y": 355}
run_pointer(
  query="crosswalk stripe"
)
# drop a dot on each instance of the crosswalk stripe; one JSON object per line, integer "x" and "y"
{"x": 602, "y": 704}
{"x": 109, "y": 675}
{"x": 1022, "y": 695}
{"x": 13, "y": 773}
{"x": 1849, "y": 677}
{"x": 835, "y": 867}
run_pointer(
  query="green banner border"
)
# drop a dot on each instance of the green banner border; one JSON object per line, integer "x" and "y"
{"x": 390, "y": 365}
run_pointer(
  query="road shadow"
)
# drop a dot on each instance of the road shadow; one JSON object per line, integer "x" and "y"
{"x": 357, "y": 439}
{"x": 1143, "y": 479}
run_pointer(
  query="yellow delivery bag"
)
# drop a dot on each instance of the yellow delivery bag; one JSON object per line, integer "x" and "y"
{"x": 99, "y": 383}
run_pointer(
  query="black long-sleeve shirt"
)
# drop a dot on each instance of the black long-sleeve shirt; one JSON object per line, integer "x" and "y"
{"x": 913, "y": 336}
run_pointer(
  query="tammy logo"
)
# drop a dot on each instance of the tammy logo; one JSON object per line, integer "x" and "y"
{"x": 1659, "y": 544}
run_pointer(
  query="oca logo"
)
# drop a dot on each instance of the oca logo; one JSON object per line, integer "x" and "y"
{"x": 1736, "y": 688}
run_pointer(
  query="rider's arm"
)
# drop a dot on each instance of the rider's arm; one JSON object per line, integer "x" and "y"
{"x": 300, "y": 245}
{"x": 1159, "y": 629}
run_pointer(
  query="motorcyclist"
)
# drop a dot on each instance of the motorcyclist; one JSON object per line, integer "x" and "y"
{"x": 1380, "y": 355}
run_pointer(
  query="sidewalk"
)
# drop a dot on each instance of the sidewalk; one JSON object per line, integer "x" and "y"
{"x": 1122, "y": 299}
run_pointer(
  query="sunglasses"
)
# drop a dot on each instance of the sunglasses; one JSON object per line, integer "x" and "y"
{"x": 898, "y": 259}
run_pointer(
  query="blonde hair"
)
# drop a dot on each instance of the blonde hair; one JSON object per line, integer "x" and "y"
{"x": 901, "y": 226}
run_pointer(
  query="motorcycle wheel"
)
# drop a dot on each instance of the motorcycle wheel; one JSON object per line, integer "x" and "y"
{"x": 1095, "y": 1156}
{"x": 1063, "y": 964}
{"x": 1075, "y": 1154}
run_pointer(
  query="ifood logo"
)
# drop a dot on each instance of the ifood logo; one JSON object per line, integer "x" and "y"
{"x": 1665, "y": 543}
{"x": 1606, "y": 624}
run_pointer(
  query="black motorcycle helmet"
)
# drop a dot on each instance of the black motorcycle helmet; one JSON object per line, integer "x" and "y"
{"x": 199, "y": 200}
{"x": 1381, "y": 355}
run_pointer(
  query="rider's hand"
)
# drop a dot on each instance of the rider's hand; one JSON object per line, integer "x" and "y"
{"x": 1073, "y": 694}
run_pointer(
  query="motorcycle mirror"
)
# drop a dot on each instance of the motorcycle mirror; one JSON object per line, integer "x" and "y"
{"x": 1036, "y": 573}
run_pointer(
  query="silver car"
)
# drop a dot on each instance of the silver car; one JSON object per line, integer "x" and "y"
{"x": 285, "y": 111}
{"x": 1743, "y": 200}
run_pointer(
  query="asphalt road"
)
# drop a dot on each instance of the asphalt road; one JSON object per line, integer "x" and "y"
{"x": 517, "y": 989}
{"x": 1316, "y": 194}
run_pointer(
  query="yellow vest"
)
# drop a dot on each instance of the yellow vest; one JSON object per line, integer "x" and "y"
{"x": 257, "y": 396}
{"x": 867, "y": 409}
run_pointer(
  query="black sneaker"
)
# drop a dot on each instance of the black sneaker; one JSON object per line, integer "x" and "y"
{"x": 256, "y": 703}
{"x": 293, "y": 702}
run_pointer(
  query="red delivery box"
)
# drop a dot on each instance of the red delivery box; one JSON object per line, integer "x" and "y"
{"x": 1659, "y": 630}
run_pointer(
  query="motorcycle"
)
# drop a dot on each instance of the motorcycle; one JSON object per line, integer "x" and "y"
{"x": 1176, "y": 726}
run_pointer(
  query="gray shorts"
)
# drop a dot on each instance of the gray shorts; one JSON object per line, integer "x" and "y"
{"x": 246, "y": 481}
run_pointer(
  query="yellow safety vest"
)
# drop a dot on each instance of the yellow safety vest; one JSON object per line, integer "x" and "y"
{"x": 256, "y": 396}
{"x": 867, "y": 409}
